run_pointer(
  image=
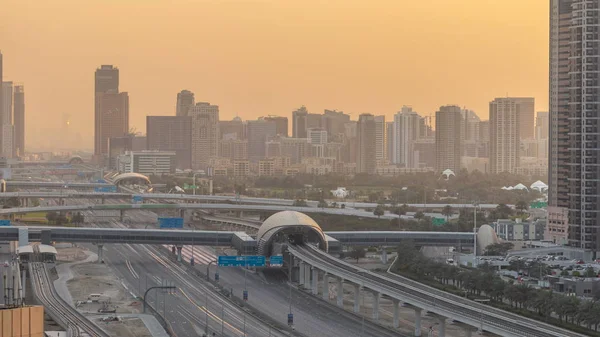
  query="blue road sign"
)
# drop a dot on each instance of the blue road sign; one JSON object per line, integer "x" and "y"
{"x": 276, "y": 260}
{"x": 137, "y": 199}
{"x": 245, "y": 294}
{"x": 170, "y": 222}
{"x": 4, "y": 223}
{"x": 290, "y": 319}
{"x": 242, "y": 261}
{"x": 106, "y": 189}
{"x": 101, "y": 181}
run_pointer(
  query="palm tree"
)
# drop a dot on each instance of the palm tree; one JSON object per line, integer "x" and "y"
{"x": 447, "y": 211}
{"x": 521, "y": 206}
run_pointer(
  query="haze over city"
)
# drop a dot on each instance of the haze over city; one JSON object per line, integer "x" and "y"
{"x": 256, "y": 58}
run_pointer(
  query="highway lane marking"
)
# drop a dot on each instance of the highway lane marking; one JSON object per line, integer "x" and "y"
{"x": 210, "y": 314}
{"x": 130, "y": 267}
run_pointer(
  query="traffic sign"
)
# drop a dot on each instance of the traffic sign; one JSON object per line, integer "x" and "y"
{"x": 4, "y": 223}
{"x": 290, "y": 319}
{"x": 170, "y": 222}
{"x": 137, "y": 199}
{"x": 217, "y": 276}
{"x": 245, "y": 294}
{"x": 106, "y": 189}
{"x": 242, "y": 261}
{"x": 276, "y": 260}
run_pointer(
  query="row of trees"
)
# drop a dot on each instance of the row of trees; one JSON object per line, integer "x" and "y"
{"x": 541, "y": 304}
{"x": 59, "y": 218}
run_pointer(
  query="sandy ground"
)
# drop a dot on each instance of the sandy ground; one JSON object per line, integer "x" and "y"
{"x": 126, "y": 327}
{"x": 93, "y": 278}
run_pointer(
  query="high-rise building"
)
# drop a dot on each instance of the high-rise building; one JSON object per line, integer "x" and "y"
{"x": 389, "y": 140}
{"x": 317, "y": 137}
{"x": 367, "y": 144}
{"x": 205, "y": 134}
{"x": 313, "y": 121}
{"x": 574, "y": 119}
{"x": 185, "y": 100}
{"x": 406, "y": 130}
{"x": 6, "y": 126}
{"x": 542, "y": 125}
{"x": 526, "y": 107}
{"x": 505, "y": 131}
{"x": 19, "y": 120}
{"x": 470, "y": 133}
{"x": 380, "y": 138}
{"x": 259, "y": 132}
{"x": 111, "y": 110}
{"x": 448, "y": 147}
{"x": 281, "y": 124}
{"x": 112, "y": 119}
{"x": 299, "y": 122}
{"x": 233, "y": 129}
{"x": 171, "y": 133}
{"x": 333, "y": 122}
{"x": 106, "y": 79}
{"x": 1, "y": 81}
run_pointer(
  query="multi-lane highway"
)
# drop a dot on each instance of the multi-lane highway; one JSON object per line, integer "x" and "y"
{"x": 270, "y": 296}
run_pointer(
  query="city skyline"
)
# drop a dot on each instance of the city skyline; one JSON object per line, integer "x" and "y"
{"x": 379, "y": 82}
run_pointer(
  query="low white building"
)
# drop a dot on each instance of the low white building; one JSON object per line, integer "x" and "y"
{"x": 147, "y": 162}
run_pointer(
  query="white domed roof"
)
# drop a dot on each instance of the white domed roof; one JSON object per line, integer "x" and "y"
{"x": 448, "y": 172}
{"x": 539, "y": 185}
{"x": 486, "y": 236}
{"x": 286, "y": 219}
{"x": 520, "y": 187}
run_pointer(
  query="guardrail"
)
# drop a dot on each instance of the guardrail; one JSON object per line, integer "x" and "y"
{"x": 447, "y": 305}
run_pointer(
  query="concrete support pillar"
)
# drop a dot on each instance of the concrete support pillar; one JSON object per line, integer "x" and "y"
{"x": 340, "y": 292}
{"x": 384, "y": 257}
{"x": 103, "y": 200}
{"x": 417, "y": 322}
{"x": 442, "y": 327}
{"x": 325, "y": 286}
{"x": 306, "y": 276}
{"x": 396, "y": 305}
{"x": 468, "y": 332}
{"x": 100, "y": 253}
{"x": 376, "y": 297}
{"x": 315, "y": 281}
{"x": 301, "y": 273}
{"x": 179, "y": 248}
{"x": 357, "y": 298}
{"x": 122, "y": 217}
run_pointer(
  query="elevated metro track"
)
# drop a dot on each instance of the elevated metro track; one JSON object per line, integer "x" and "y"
{"x": 61, "y": 311}
{"x": 186, "y": 197}
{"x": 427, "y": 298}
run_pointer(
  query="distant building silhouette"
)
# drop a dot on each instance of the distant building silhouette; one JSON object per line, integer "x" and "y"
{"x": 19, "y": 120}
{"x": 171, "y": 133}
{"x": 111, "y": 110}
{"x": 505, "y": 131}
{"x": 448, "y": 147}
{"x": 185, "y": 100}
{"x": 205, "y": 134}
{"x": 367, "y": 143}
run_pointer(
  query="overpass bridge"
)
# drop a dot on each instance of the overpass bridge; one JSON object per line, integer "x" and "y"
{"x": 314, "y": 266}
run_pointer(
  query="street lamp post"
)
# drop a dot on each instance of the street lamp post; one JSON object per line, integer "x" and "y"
{"x": 475, "y": 234}
{"x": 194, "y": 183}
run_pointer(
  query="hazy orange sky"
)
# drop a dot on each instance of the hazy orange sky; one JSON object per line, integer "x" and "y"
{"x": 260, "y": 57}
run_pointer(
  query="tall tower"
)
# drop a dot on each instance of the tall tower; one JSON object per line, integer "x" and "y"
{"x": 205, "y": 133}
{"x": 6, "y": 118}
{"x": 505, "y": 131}
{"x": 574, "y": 118}
{"x": 1, "y": 79}
{"x": 185, "y": 100}
{"x": 367, "y": 143}
{"x": 19, "y": 120}
{"x": 380, "y": 138}
{"x": 448, "y": 145}
{"x": 111, "y": 110}
{"x": 406, "y": 130}
{"x": 299, "y": 122}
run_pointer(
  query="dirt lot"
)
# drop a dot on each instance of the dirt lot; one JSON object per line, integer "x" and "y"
{"x": 92, "y": 278}
{"x": 126, "y": 327}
